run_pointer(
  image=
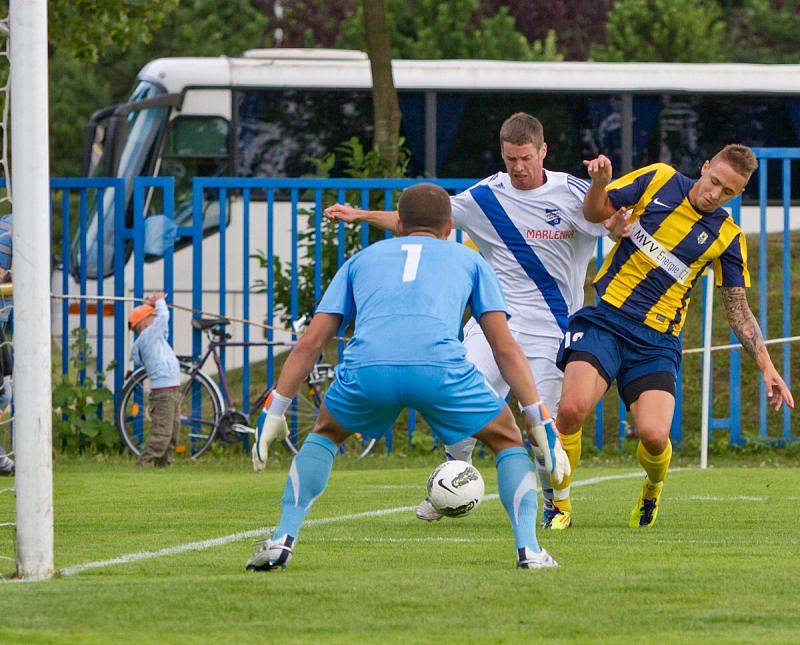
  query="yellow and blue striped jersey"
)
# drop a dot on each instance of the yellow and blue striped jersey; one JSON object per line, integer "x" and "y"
{"x": 650, "y": 274}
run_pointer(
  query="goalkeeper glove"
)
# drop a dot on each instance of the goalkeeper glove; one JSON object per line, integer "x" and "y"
{"x": 271, "y": 426}
{"x": 546, "y": 437}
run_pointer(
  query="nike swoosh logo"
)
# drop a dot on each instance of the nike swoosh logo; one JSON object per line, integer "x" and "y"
{"x": 658, "y": 203}
{"x": 442, "y": 484}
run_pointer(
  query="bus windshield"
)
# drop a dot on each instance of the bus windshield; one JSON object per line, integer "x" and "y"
{"x": 142, "y": 132}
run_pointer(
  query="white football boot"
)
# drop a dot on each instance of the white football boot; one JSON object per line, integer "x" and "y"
{"x": 274, "y": 554}
{"x": 426, "y": 511}
{"x": 527, "y": 559}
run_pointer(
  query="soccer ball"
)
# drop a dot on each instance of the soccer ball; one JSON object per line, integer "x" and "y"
{"x": 455, "y": 488}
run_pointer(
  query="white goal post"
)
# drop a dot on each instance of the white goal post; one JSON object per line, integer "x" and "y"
{"x": 31, "y": 266}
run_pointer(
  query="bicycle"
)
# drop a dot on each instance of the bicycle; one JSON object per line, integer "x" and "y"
{"x": 206, "y": 408}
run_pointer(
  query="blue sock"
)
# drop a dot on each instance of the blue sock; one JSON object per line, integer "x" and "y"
{"x": 516, "y": 483}
{"x": 308, "y": 477}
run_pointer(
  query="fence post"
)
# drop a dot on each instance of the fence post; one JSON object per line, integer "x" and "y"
{"x": 65, "y": 281}
{"x": 82, "y": 272}
{"x": 246, "y": 300}
{"x": 705, "y": 421}
{"x": 119, "y": 289}
{"x": 787, "y": 289}
{"x": 735, "y": 366}
{"x": 762, "y": 286}
{"x": 197, "y": 261}
{"x": 168, "y": 201}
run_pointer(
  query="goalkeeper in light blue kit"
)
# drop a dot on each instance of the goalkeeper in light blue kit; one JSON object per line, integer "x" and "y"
{"x": 407, "y": 296}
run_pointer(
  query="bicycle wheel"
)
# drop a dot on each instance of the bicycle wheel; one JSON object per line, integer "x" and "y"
{"x": 201, "y": 408}
{"x": 302, "y": 414}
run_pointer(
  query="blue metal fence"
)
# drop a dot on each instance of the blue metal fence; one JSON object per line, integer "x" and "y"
{"x": 316, "y": 193}
{"x": 68, "y": 189}
{"x": 313, "y": 191}
{"x": 768, "y": 157}
{"x": 733, "y": 422}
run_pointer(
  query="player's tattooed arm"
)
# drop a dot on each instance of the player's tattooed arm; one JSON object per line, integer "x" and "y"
{"x": 745, "y": 327}
{"x": 743, "y": 323}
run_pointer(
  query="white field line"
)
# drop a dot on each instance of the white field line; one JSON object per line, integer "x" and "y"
{"x": 390, "y": 540}
{"x": 257, "y": 533}
{"x": 726, "y": 498}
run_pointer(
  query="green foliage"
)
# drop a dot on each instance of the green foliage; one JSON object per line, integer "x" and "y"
{"x": 87, "y": 28}
{"x": 350, "y": 159}
{"x": 77, "y": 426}
{"x": 678, "y": 31}
{"x": 767, "y": 31}
{"x": 431, "y": 29}
{"x": 81, "y": 83}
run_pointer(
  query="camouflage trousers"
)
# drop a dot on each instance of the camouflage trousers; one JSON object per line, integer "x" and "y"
{"x": 159, "y": 447}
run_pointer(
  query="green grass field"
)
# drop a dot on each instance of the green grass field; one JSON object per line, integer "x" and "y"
{"x": 722, "y": 563}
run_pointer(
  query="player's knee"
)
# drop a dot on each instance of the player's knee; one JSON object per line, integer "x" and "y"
{"x": 571, "y": 413}
{"x": 653, "y": 437}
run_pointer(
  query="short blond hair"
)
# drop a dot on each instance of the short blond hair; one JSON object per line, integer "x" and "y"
{"x": 522, "y": 128}
{"x": 739, "y": 157}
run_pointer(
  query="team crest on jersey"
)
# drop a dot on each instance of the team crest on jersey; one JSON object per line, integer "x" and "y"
{"x": 552, "y": 216}
{"x": 701, "y": 239}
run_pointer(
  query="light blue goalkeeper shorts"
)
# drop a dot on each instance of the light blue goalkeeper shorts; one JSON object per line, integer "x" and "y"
{"x": 455, "y": 401}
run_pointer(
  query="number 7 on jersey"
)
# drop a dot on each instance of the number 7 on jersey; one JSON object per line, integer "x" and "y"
{"x": 414, "y": 252}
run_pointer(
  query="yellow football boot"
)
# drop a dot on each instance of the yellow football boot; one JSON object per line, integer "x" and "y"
{"x": 645, "y": 512}
{"x": 556, "y": 519}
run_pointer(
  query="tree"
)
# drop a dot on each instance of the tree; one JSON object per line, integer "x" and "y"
{"x": 79, "y": 86}
{"x": 307, "y": 23}
{"x": 576, "y": 24}
{"x": 684, "y": 31}
{"x": 431, "y": 29}
{"x": 766, "y": 31}
{"x": 385, "y": 106}
{"x": 86, "y": 28}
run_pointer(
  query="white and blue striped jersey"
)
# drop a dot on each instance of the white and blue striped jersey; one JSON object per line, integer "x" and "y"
{"x": 537, "y": 241}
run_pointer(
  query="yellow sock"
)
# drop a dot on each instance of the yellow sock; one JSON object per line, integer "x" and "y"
{"x": 565, "y": 504}
{"x": 572, "y": 446}
{"x": 656, "y": 467}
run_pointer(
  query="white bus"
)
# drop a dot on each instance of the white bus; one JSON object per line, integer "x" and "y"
{"x": 269, "y": 112}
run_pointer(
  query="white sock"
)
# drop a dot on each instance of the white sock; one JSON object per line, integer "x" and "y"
{"x": 461, "y": 451}
{"x": 544, "y": 477}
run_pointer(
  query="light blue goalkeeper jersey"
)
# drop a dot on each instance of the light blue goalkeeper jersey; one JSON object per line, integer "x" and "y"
{"x": 407, "y": 296}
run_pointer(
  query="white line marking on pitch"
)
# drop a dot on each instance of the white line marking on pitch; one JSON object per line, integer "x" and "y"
{"x": 244, "y": 535}
{"x": 727, "y": 498}
{"x": 395, "y": 540}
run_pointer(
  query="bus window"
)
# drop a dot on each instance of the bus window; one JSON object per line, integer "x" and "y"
{"x": 679, "y": 129}
{"x": 196, "y": 146}
{"x": 280, "y": 132}
{"x": 468, "y": 127}
{"x": 754, "y": 120}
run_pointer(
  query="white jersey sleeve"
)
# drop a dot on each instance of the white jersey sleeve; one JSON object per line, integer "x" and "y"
{"x": 578, "y": 187}
{"x": 463, "y": 207}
